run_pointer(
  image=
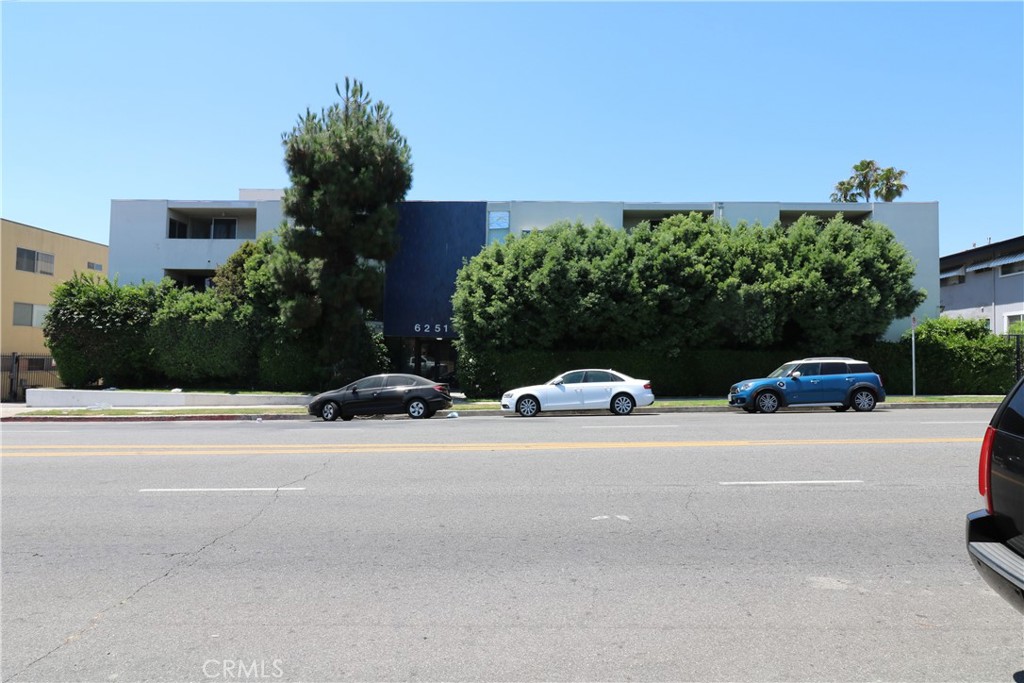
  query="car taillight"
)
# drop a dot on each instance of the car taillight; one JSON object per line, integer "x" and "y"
{"x": 647, "y": 386}
{"x": 442, "y": 388}
{"x": 985, "y": 468}
{"x": 881, "y": 382}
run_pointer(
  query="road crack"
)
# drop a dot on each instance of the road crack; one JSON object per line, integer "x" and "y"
{"x": 190, "y": 560}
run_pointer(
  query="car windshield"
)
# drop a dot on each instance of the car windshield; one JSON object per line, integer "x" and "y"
{"x": 784, "y": 370}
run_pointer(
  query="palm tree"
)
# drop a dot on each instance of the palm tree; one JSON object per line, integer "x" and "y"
{"x": 865, "y": 177}
{"x": 846, "y": 191}
{"x": 889, "y": 184}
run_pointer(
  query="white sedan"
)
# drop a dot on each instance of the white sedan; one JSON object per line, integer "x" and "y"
{"x": 581, "y": 390}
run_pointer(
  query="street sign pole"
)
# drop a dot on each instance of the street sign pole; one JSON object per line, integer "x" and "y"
{"x": 913, "y": 354}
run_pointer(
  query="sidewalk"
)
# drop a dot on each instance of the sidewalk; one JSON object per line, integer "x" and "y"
{"x": 19, "y": 412}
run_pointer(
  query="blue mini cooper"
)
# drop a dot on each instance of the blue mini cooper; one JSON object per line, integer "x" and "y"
{"x": 840, "y": 383}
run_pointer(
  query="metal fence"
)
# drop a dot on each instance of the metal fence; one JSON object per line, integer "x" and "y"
{"x": 21, "y": 371}
{"x": 1018, "y": 356}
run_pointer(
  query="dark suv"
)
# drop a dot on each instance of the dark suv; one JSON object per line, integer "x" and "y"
{"x": 995, "y": 535}
{"x": 840, "y": 383}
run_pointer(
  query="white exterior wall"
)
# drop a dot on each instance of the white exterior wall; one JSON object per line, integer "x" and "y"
{"x": 140, "y": 249}
{"x": 533, "y": 215}
{"x": 732, "y": 213}
{"x": 916, "y": 226}
{"x": 138, "y": 229}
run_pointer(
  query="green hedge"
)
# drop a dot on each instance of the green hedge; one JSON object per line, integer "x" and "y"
{"x": 985, "y": 367}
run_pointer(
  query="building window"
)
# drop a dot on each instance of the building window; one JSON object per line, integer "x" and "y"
{"x": 224, "y": 228}
{"x": 29, "y": 315}
{"x": 952, "y": 280}
{"x": 177, "y": 230}
{"x": 35, "y": 364}
{"x": 497, "y": 226}
{"x": 1012, "y": 269}
{"x": 95, "y": 266}
{"x": 34, "y": 261}
{"x": 1015, "y": 324}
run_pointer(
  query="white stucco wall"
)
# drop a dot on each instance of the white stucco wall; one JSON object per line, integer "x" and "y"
{"x": 916, "y": 226}
{"x": 137, "y": 231}
{"x": 140, "y": 249}
{"x": 732, "y": 213}
{"x": 533, "y": 215}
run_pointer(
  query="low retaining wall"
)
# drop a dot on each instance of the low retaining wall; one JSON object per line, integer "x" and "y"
{"x": 116, "y": 398}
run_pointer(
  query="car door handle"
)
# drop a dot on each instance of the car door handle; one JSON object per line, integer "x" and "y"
{"x": 815, "y": 381}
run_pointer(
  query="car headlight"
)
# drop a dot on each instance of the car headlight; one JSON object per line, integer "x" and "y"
{"x": 507, "y": 394}
{"x": 746, "y": 387}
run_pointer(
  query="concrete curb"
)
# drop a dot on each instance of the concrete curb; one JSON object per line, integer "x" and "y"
{"x": 268, "y": 416}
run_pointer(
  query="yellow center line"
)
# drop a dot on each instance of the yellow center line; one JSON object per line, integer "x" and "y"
{"x": 35, "y": 451}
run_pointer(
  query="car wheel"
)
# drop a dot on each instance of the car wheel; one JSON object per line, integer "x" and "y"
{"x": 417, "y": 409}
{"x": 622, "y": 404}
{"x": 527, "y": 406}
{"x": 840, "y": 409}
{"x": 863, "y": 400}
{"x": 329, "y": 411}
{"x": 767, "y": 402}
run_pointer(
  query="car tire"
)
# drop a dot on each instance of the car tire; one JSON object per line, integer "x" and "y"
{"x": 863, "y": 400}
{"x": 622, "y": 404}
{"x": 330, "y": 411}
{"x": 767, "y": 402}
{"x": 749, "y": 409}
{"x": 840, "y": 409}
{"x": 417, "y": 409}
{"x": 528, "y": 406}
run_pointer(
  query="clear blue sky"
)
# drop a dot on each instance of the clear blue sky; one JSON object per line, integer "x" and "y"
{"x": 670, "y": 102}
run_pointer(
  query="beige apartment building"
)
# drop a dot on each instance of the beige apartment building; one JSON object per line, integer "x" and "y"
{"x": 34, "y": 262}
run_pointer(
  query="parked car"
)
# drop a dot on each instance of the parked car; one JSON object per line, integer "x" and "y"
{"x": 995, "y": 535}
{"x": 838, "y": 382}
{"x": 581, "y": 390}
{"x": 390, "y": 394}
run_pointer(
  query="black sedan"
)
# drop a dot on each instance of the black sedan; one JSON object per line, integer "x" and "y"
{"x": 390, "y": 394}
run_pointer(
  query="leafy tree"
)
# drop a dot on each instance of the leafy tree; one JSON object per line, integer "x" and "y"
{"x": 96, "y": 329}
{"x": 688, "y": 283}
{"x": 889, "y": 185}
{"x": 846, "y": 191}
{"x": 961, "y": 355}
{"x": 886, "y": 183}
{"x": 865, "y": 176}
{"x": 349, "y": 166}
{"x": 199, "y": 339}
{"x": 848, "y": 284}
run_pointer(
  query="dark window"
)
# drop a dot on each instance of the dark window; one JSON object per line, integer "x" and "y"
{"x": 1012, "y": 268}
{"x": 23, "y": 315}
{"x": 833, "y": 368}
{"x": 34, "y": 261}
{"x": 177, "y": 230}
{"x": 400, "y": 381}
{"x": 1012, "y": 419}
{"x": 573, "y": 377}
{"x": 35, "y": 364}
{"x": 810, "y": 368}
{"x": 95, "y": 266}
{"x": 369, "y": 383}
{"x": 224, "y": 228}
{"x": 860, "y": 367}
{"x": 599, "y": 376}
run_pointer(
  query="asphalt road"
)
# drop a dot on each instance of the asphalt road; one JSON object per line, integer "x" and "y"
{"x": 801, "y": 546}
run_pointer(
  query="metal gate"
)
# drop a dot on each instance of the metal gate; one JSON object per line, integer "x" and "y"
{"x": 21, "y": 371}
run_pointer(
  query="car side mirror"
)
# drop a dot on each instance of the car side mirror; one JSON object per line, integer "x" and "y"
{"x": 795, "y": 374}
{"x": 355, "y": 390}
{"x": 558, "y": 381}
